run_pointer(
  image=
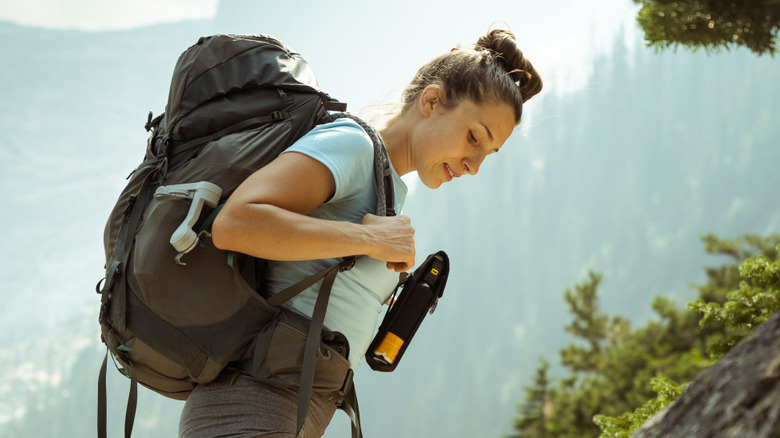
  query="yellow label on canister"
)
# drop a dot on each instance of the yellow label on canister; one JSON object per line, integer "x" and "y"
{"x": 389, "y": 347}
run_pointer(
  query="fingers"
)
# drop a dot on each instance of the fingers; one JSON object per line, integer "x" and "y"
{"x": 398, "y": 267}
{"x": 391, "y": 240}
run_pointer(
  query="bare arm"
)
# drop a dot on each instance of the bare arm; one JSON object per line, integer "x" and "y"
{"x": 266, "y": 217}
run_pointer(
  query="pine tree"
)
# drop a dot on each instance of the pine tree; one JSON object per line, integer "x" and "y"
{"x": 627, "y": 423}
{"x": 731, "y": 316}
{"x": 532, "y": 421}
{"x": 711, "y": 24}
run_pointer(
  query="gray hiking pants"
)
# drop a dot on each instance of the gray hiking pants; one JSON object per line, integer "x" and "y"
{"x": 249, "y": 408}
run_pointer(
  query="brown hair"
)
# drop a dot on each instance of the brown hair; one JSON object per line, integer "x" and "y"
{"x": 495, "y": 70}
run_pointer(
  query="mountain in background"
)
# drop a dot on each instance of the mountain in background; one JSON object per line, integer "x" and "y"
{"x": 622, "y": 177}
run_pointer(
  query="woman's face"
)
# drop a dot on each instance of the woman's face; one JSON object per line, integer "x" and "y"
{"x": 452, "y": 142}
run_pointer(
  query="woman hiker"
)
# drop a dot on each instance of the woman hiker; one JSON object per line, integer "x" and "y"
{"x": 313, "y": 205}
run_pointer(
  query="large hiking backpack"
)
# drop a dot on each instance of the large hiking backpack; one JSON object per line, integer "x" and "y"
{"x": 176, "y": 310}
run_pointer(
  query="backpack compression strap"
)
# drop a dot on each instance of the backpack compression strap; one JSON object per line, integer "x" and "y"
{"x": 113, "y": 309}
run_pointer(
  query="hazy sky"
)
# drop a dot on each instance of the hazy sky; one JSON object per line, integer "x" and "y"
{"x": 563, "y": 35}
{"x": 124, "y": 14}
{"x": 103, "y": 14}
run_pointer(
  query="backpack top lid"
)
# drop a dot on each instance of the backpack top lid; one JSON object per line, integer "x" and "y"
{"x": 219, "y": 65}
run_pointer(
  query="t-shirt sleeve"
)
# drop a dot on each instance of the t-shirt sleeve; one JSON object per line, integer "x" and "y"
{"x": 346, "y": 150}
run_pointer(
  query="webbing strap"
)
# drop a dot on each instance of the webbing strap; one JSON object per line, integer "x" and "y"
{"x": 132, "y": 401}
{"x": 164, "y": 337}
{"x": 117, "y": 306}
{"x": 312, "y": 346}
{"x": 350, "y": 406}
{"x": 101, "y": 416}
{"x": 389, "y": 193}
{"x": 276, "y": 116}
{"x": 291, "y": 291}
{"x": 119, "y": 301}
{"x": 328, "y": 276}
{"x": 122, "y": 249}
{"x": 332, "y": 105}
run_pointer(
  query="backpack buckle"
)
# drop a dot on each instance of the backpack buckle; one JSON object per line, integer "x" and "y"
{"x": 347, "y": 385}
{"x": 129, "y": 208}
{"x": 348, "y": 263}
{"x": 165, "y": 143}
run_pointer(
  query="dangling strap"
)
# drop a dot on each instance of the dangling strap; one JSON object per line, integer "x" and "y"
{"x": 313, "y": 345}
{"x": 132, "y": 400}
{"x": 350, "y": 405}
{"x": 101, "y": 418}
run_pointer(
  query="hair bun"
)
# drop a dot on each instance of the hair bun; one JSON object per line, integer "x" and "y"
{"x": 502, "y": 45}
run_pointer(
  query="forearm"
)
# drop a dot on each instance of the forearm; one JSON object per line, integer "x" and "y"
{"x": 270, "y": 232}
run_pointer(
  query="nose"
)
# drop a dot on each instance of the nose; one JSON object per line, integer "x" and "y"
{"x": 471, "y": 164}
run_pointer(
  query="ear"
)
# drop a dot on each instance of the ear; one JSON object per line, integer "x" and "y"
{"x": 431, "y": 99}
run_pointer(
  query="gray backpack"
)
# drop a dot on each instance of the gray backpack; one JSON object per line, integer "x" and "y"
{"x": 175, "y": 310}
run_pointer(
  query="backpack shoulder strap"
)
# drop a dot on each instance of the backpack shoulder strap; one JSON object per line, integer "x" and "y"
{"x": 382, "y": 174}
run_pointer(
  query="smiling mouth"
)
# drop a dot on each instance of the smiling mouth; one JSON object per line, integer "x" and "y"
{"x": 452, "y": 175}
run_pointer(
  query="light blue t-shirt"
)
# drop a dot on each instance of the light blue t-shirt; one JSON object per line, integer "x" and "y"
{"x": 358, "y": 294}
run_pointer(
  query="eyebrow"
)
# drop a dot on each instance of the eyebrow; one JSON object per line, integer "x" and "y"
{"x": 490, "y": 134}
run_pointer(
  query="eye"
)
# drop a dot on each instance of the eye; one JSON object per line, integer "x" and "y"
{"x": 472, "y": 138}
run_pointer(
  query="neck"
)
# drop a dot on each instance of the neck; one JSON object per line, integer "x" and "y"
{"x": 396, "y": 135}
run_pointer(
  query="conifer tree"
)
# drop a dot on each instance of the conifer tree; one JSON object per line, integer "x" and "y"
{"x": 757, "y": 297}
{"x": 622, "y": 377}
{"x": 532, "y": 421}
{"x": 711, "y": 24}
{"x": 725, "y": 318}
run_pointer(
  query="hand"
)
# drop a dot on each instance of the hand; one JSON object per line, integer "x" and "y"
{"x": 392, "y": 240}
